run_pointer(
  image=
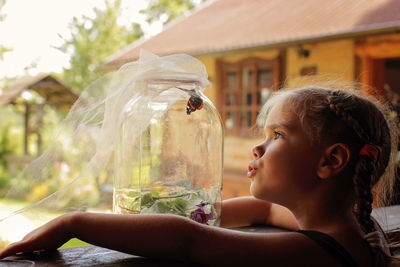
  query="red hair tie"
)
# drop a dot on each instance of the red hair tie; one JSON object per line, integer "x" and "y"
{"x": 370, "y": 151}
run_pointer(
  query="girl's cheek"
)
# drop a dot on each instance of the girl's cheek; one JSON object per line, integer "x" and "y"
{"x": 272, "y": 154}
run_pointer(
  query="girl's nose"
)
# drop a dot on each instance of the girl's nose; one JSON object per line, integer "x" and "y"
{"x": 258, "y": 150}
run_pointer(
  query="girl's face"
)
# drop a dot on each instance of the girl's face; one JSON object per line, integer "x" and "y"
{"x": 285, "y": 163}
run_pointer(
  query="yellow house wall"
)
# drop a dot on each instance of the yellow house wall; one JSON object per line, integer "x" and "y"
{"x": 210, "y": 91}
{"x": 265, "y": 54}
{"x": 334, "y": 61}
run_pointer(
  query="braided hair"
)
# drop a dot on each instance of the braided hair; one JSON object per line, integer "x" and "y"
{"x": 370, "y": 127}
{"x": 351, "y": 118}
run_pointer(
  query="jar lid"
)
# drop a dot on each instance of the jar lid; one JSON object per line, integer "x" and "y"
{"x": 178, "y": 77}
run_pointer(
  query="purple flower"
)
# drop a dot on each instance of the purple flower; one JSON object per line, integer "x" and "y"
{"x": 200, "y": 214}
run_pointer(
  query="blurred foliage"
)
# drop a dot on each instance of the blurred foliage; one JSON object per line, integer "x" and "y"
{"x": 92, "y": 41}
{"x": 6, "y": 148}
{"x": 2, "y": 16}
{"x": 2, "y": 3}
{"x": 3, "y": 243}
{"x": 12, "y": 160}
{"x": 168, "y": 10}
{"x": 10, "y": 143}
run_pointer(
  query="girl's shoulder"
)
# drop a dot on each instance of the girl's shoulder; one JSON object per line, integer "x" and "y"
{"x": 330, "y": 250}
{"x": 331, "y": 246}
{"x": 272, "y": 249}
{"x": 313, "y": 248}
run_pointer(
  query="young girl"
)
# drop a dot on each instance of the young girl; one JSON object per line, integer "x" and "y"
{"x": 326, "y": 156}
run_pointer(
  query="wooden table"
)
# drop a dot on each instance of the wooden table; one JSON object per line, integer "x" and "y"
{"x": 388, "y": 217}
{"x": 84, "y": 256}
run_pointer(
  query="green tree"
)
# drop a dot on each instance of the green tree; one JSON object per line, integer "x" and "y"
{"x": 168, "y": 10}
{"x": 92, "y": 40}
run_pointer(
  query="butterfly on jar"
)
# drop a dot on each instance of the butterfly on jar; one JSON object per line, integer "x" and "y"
{"x": 194, "y": 103}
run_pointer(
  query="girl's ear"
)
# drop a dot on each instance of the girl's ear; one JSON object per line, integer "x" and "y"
{"x": 333, "y": 160}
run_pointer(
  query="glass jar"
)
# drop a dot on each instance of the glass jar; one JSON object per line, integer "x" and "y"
{"x": 169, "y": 155}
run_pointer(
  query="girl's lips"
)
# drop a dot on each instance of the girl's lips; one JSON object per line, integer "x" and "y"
{"x": 251, "y": 171}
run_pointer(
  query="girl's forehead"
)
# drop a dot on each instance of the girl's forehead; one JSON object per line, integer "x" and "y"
{"x": 281, "y": 113}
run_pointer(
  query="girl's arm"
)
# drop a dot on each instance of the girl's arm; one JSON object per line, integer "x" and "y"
{"x": 162, "y": 236}
{"x": 172, "y": 237}
{"x": 243, "y": 211}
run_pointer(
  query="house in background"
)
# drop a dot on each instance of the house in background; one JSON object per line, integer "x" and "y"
{"x": 251, "y": 48}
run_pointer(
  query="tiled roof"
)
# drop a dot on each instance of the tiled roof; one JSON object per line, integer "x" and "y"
{"x": 223, "y": 25}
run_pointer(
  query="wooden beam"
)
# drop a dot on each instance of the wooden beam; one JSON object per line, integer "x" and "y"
{"x": 220, "y": 95}
{"x": 26, "y": 141}
{"x": 239, "y": 92}
{"x": 276, "y": 70}
{"x": 255, "y": 89}
{"x": 381, "y": 50}
{"x": 365, "y": 71}
{"x": 40, "y": 114}
{"x": 372, "y": 76}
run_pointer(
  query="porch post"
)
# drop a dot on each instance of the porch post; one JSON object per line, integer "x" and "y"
{"x": 26, "y": 142}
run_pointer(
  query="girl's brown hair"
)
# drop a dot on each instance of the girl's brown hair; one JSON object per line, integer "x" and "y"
{"x": 332, "y": 115}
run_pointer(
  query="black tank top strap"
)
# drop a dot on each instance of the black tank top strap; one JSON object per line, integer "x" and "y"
{"x": 330, "y": 245}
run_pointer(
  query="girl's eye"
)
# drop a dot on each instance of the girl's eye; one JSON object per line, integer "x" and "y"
{"x": 277, "y": 135}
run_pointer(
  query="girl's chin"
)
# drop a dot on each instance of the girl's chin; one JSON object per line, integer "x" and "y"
{"x": 254, "y": 191}
{"x": 260, "y": 193}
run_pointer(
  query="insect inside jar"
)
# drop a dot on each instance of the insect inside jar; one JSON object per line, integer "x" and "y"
{"x": 194, "y": 103}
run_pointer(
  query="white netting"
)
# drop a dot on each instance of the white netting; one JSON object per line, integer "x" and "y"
{"x": 80, "y": 154}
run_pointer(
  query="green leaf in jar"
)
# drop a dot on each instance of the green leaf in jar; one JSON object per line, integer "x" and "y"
{"x": 148, "y": 199}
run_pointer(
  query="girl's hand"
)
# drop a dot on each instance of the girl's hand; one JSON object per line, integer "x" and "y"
{"x": 47, "y": 237}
